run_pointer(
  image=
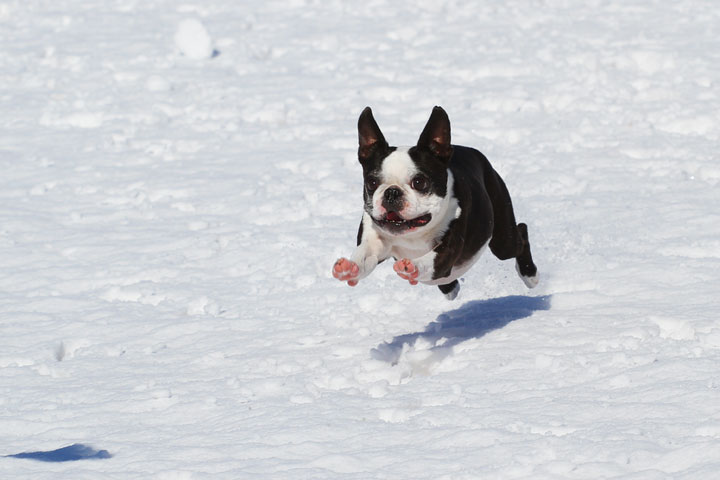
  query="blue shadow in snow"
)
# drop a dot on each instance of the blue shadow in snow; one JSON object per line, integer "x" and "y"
{"x": 472, "y": 320}
{"x": 72, "y": 453}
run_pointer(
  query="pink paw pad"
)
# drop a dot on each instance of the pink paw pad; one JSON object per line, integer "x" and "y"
{"x": 346, "y": 271}
{"x": 407, "y": 270}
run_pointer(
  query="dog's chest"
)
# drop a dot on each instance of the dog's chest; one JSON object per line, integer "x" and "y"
{"x": 412, "y": 247}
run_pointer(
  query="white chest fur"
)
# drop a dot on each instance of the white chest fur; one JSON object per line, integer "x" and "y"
{"x": 420, "y": 246}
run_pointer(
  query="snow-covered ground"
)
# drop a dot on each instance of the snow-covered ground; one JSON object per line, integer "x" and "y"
{"x": 178, "y": 179}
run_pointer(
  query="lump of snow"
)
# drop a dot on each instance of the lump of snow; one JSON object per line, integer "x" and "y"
{"x": 193, "y": 40}
{"x": 674, "y": 328}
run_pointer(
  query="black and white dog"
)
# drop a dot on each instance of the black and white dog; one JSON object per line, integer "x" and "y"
{"x": 434, "y": 208}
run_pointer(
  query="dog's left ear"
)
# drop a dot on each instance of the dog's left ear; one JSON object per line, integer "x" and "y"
{"x": 436, "y": 135}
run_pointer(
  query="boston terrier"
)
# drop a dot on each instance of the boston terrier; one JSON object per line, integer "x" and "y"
{"x": 434, "y": 208}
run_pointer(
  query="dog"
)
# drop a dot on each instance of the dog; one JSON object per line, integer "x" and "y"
{"x": 434, "y": 208}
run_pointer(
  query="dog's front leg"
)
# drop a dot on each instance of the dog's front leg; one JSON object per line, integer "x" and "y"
{"x": 418, "y": 270}
{"x": 437, "y": 263}
{"x": 370, "y": 251}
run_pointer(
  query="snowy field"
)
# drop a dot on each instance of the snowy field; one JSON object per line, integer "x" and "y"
{"x": 178, "y": 179}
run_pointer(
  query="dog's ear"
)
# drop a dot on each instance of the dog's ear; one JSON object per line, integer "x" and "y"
{"x": 436, "y": 135}
{"x": 369, "y": 135}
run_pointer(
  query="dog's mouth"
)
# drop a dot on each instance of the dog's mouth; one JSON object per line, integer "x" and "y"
{"x": 395, "y": 223}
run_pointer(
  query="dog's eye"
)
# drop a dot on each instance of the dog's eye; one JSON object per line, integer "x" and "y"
{"x": 420, "y": 183}
{"x": 372, "y": 184}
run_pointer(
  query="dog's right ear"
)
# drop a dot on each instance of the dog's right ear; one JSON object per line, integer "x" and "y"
{"x": 370, "y": 137}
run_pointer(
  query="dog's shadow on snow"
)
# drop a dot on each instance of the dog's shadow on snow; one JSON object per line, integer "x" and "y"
{"x": 472, "y": 320}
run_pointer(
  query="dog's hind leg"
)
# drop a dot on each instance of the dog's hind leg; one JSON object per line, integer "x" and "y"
{"x": 524, "y": 262}
{"x": 509, "y": 240}
{"x": 450, "y": 290}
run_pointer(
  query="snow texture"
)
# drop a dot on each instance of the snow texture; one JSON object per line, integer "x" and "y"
{"x": 169, "y": 218}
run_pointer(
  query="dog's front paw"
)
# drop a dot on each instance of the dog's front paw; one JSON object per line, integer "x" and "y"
{"x": 346, "y": 271}
{"x": 407, "y": 270}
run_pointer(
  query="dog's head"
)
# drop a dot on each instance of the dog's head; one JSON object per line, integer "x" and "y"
{"x": 406, "y": 188}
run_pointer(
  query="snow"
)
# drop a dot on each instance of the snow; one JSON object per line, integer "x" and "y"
{"x": 193, "y": 40}
{"x": 168, "y": 224}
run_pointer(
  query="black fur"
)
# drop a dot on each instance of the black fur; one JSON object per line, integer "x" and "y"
{"x": 445, "y": 289}
{"x": 486, "y": 212}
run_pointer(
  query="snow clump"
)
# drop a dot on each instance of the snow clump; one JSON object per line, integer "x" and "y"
{"x": 193, "y": 40}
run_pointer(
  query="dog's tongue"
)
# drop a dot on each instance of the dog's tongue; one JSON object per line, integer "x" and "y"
{"x": 394, "y": 217}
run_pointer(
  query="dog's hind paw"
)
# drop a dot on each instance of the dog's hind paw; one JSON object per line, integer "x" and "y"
{"x": 450, "y": 290}
{"x": 531, "y": 281}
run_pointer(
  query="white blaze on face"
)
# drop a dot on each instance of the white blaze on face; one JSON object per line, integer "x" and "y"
{"x": 398, "y": 170}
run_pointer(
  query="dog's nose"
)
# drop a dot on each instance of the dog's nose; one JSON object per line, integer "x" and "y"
{"x": 392, "y": 194}
{"x": 392, "y": 199}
